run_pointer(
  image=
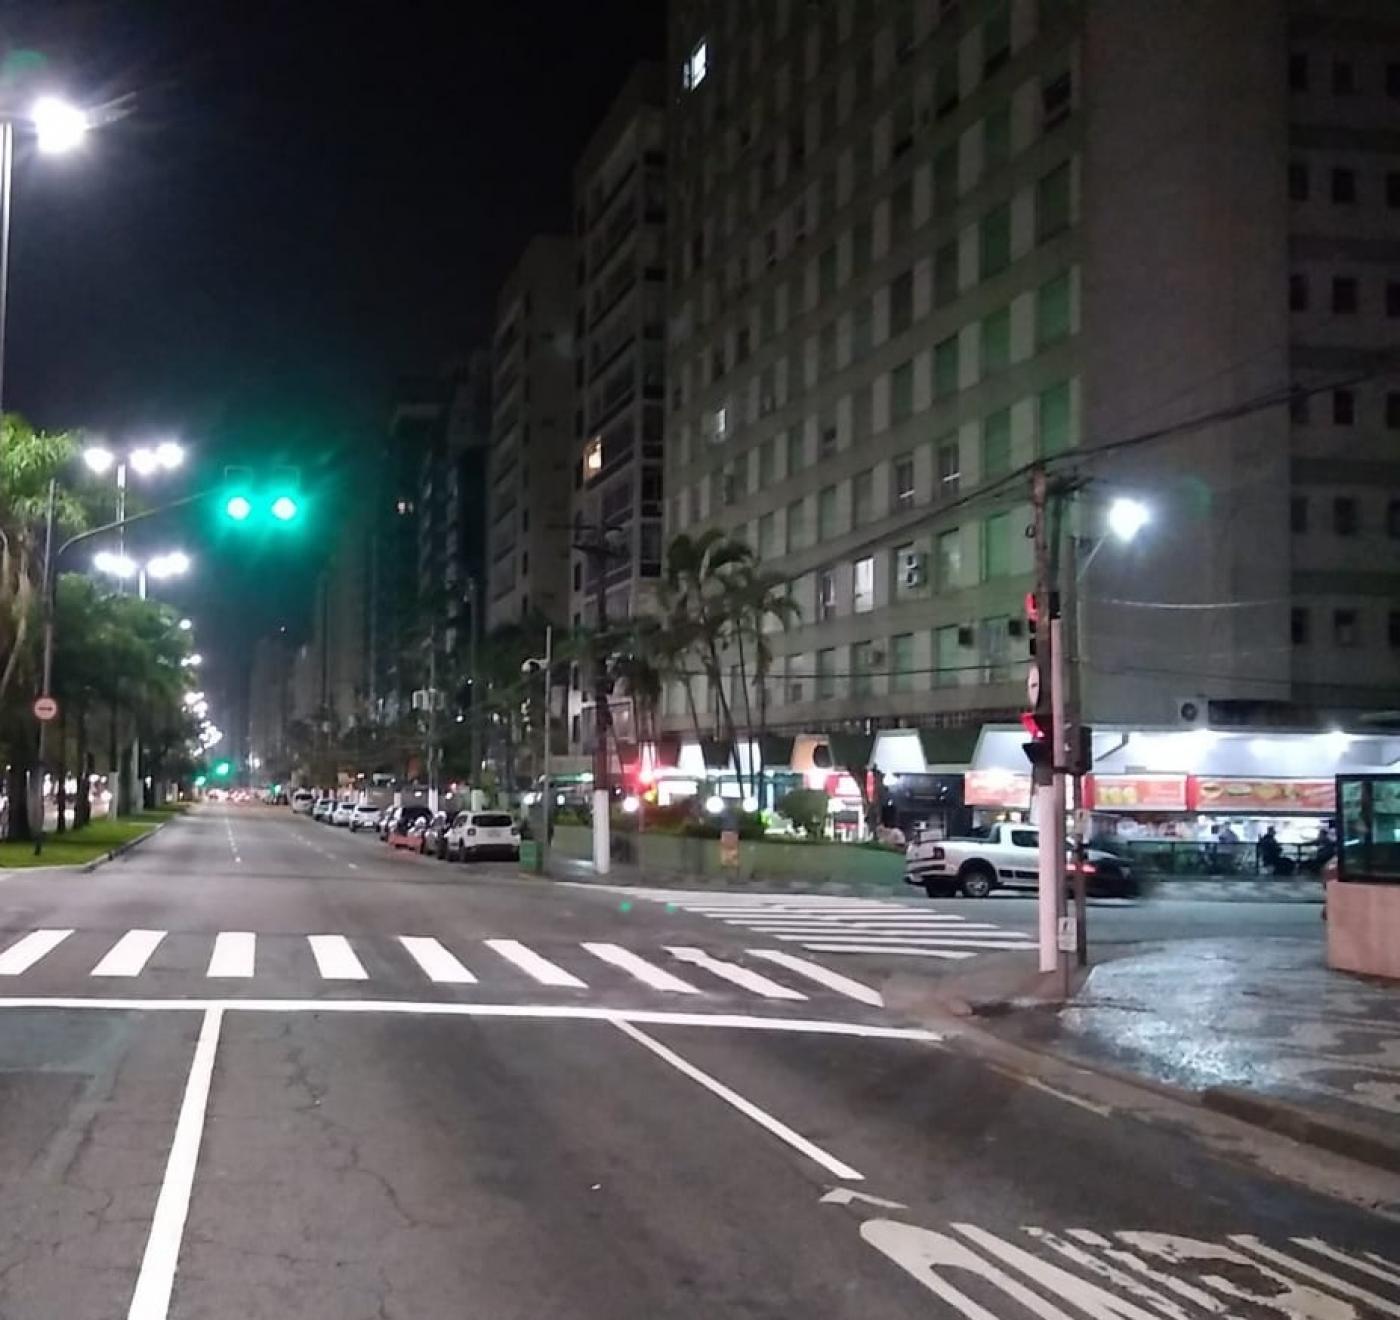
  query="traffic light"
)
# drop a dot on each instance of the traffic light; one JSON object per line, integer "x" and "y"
{"x": 222, "y": 769}
{"x": 1033, "y": 617}
{"x": 249, "y": 493}
{"x": 1040, "y": 750}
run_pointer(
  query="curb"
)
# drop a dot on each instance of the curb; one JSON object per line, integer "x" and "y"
{"x": 1278, "y": 1117}
{"x": 1303, "y": 1125}
{"x": 122, "y": 848}
{"x": 719, "y": 884}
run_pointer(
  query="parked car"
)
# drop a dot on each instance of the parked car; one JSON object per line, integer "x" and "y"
{"x": 343, "y": 813}
{"x": 405, "y": 829}
{"x": 365, "y": 817}
{"x": 480, "y": 834}
{"x": 303, "y": 800}
{"x": 435, "y": 835}
{"x": 1004, "y": 856}
{"x": 323, "y": 808}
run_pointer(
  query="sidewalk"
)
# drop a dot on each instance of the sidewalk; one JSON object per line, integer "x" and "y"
{"x": 1260, "y": 1029}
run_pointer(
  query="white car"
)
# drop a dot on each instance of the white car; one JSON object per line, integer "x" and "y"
{"x": 303, "y": 800}
{"x": 342, "y": 813}
{"x": 479, "y": 834}
{"x": 323, "y": 808}
{"x": 365, "y": 817}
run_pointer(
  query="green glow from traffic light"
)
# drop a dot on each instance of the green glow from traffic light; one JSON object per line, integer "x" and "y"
{"x": 284, "y": 508}
{"x": 222, "y": 769}
{"x": 200, "y": 781}
{"x": 239, "y": 508}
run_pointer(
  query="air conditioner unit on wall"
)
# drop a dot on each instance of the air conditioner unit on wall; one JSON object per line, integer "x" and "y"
{"x": 913, "y": 569}
{"x": 1192, "y": 712}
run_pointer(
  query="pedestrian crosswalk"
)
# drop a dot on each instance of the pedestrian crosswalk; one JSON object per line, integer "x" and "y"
{"x": 497, "y": 965}
{"x": 826, "y": 924}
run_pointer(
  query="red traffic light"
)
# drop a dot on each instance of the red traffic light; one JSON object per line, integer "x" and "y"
{"x": 1037, "y": 726}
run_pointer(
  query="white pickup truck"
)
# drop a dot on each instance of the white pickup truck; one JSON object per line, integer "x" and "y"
{"x": 1005, "y": 855}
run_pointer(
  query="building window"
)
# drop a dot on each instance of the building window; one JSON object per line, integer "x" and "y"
{"x": 826, "y": 673}
{"x": 949, "y": 467}
{"x": 992, "y": 646}
{"x": 1056, "y": 99}
{"x": 1392, "y": 410}
{"x": 826, "y": 595}
{"x": 795, "y": 446}
{"x": 767, "y": 462}
{"x": 1345, "y": 518}
{"x": 767, "y": 537}
{"x": 1343, "y": 78}
{"x": 828, "y": 436}
{"x": 996, "y": 138}
{"x": 796, "y": 526}
{"x": 902, "y": 485}
{"x": 945, "y": 88}
{"x": 826, "y": 513}
{"x": 1392, "y": 189}
{"x": 593, "y": 458}
{"x": 862, "y": 681}
{"x": 1297, "y": 293}
{"x": 697, "y": 65}
{"x": 996, "y": 546}
{"x": 996, "y": 41}
{"x": 1298, "y": 409}
{"x": 950, "y": 560}
{"x": 1298, "y": 629}
{"x": 901, "y": 392}
{"x": 1346, "y": 628}
{"x": 1344, "y": 296}
{"x": 902, "y": 662}
{"x": 1298, "y": 181}
{"x": 995, "y": 241}
{"x": 996, "y": 444}
{"x": 945, "y": 181}
{"x": 863, "y": 585}
{"x": 1392, "y": 298}
{"x": 862, "y": 498}
{"x": 826, "y": 271}
{"x": 996, "y": 342}
{"x": 1392, "y": 519}
{"x": 1343, "y": 186}
{"x": 1298, "y": 72}
{"x": 945, "y": 367}
{"x": 1343, "y": 408}
{"x": 1053, "y": 420}
{"x": 1052, "y": 203}
{"x": 946, "y": 657}
{"x": 1298, "y": 514}
{"x": 1392, "y": 629}
{"x": 1392, "y": 80}
{"x": 1052, "y": 310}
{"x": 945, "y": 274}
{"x": 901, "y": 302}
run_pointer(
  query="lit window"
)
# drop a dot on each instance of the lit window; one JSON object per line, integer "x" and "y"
{"x": 863, "y": 585}
{"x": 698, "y": 65}
{"x": 593, "y": 456}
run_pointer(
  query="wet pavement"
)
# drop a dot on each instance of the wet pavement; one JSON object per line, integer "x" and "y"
{"x": 1263, "y": 1017}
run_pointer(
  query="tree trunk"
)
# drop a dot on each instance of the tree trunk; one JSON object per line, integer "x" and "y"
{"x": 114, "y": 766}
{"x": 60, "y": 792}
{"x": 82, "y": 807}
{"x": 17, "y": 824}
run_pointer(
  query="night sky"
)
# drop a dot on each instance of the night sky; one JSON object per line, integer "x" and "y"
{"x": 302, "y": 201}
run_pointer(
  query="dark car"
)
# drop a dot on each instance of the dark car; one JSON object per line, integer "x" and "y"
{"x": 405, "y": 827}
{"x": 435, "y": 835}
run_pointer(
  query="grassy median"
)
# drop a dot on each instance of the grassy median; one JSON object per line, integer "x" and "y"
{"x": 95, "y": 839}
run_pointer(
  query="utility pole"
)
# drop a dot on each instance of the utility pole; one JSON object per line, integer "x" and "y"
{"x": 1049, "y": 802}
{"x": 432, "y": 720}
{"x": 546, "y": 793}
{"x": 474, "y": 620}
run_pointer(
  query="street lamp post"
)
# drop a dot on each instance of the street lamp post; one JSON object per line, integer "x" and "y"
{"x": 57, "y": 127}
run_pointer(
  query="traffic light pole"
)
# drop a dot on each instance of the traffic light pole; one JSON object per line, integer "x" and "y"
{"x": 1048, "y": 785}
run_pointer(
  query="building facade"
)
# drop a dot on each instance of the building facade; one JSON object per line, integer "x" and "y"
{"x": 917, "y": 246}
{"x": 620, "y": 223}
{"x": 532, "y": 429}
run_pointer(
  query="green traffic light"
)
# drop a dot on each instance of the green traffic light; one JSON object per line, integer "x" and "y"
{"x": 238, "y": 507}
{"x": 200, "y": 781}
{"x": 284, "y": 508}
{"x": 223, "y": 769}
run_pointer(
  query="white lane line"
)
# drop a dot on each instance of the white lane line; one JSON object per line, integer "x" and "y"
{"x": 1250, "y": 1243}
{"x": 151, "y": 1300}
{"x": 335, "y": 959}
{"x": 937, "y": 941}
{"x": 814, "y": 971}
{"x": 755, "y": 982}
{"x": 750, "y": 1110}
{"x": 129, "y": 954}
{"x": 28, "y": 949}
{"x": 927, "y": 927}
{"x": 646, "y": 972}
{"x": 438, "y": 963}
{"x": 890, "y": 948}
{"x": 1354, "y": 1262}
{"x": 442, "y": 1008}
{"x": 234, "y": 953}
{"x": 529, "y": 962}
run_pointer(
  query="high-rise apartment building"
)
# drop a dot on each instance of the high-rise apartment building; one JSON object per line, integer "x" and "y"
{"x": 620, "y": 225}
{"x": 532, "y": 429}
{"x": 918, "y": 245}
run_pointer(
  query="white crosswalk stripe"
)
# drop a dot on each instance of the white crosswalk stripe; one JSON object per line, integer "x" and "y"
{"x": 438, "y": 964}
{"x": 235, "y": 952}
{"x": 533, "y": 965}
{"x": 26, "y": 951}
{"x": 335, "y": 959}
{"x": 241, "y": 955}
{"x": 641, "y": 969}
{"x": 827, "y": 924}
{"x": 129, "y": 955}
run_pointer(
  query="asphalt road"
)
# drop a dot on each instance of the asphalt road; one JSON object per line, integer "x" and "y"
{"x": 263, "y": 1068}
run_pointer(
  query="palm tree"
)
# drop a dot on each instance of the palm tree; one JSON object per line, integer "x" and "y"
{"x": 755, "y": 597}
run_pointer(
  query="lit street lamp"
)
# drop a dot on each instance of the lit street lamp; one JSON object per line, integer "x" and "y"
{"x": 1127, "y": 517}
{"x": 144, "y": 460}
{"x": 57, "y": 127}
{"x": 120, "y": 566}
